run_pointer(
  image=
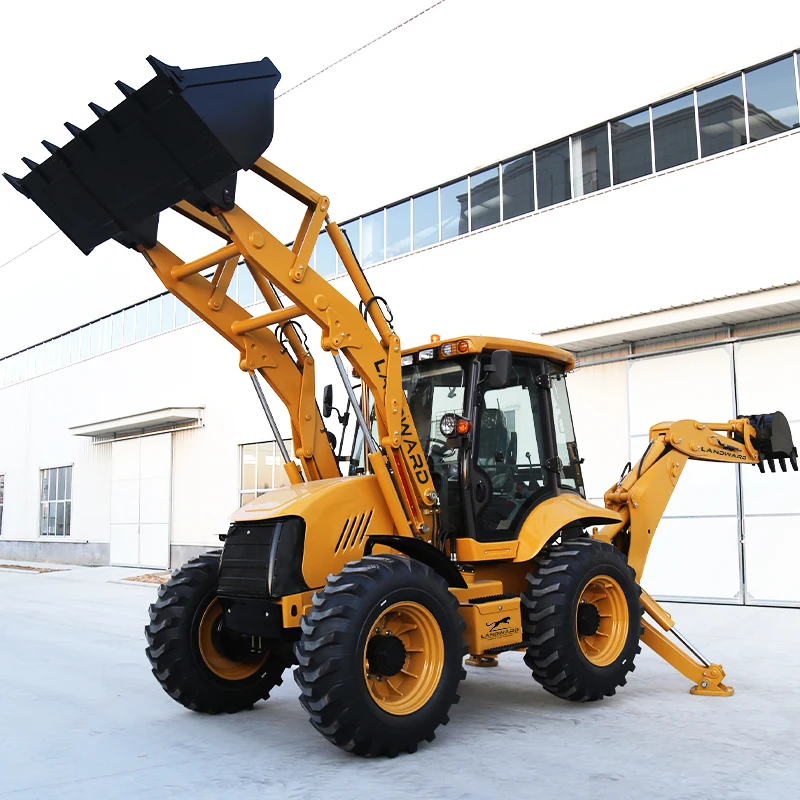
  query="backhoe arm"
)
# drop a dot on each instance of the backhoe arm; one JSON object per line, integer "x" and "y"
{"x": 641, "y": 497}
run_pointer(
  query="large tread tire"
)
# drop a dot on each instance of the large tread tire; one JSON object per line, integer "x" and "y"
{"x": 173, "y": 651}
{"x": 549, "y": 607}
{"x": 330, "y": 655}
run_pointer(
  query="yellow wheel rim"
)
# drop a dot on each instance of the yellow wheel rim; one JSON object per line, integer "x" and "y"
{"x": 219, "y": 664}
{"x": 601, "y": 620}
{"x": 415, "y": 669}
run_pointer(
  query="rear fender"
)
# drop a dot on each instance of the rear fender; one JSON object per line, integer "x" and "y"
{"x": 550, "y": 516}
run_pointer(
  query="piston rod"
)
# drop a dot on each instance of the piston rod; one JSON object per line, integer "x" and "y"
{"x": 688, "y": 645}
{"x": 270, "y": 419}
{"x": 362, "y": 423}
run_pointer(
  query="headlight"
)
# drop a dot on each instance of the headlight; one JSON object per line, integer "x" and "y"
{"x": 448, "y": 425}
{"x": 426, "y": 355}
{"x": 406, "y": 361}
{"x": 447, "y": 349}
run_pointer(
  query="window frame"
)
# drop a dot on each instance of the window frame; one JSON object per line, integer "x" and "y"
{"x": 65, "y": 502}
{"x": 255, "y": 491}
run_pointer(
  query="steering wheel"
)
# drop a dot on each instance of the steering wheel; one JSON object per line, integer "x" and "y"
{"x": 439, "y": 448}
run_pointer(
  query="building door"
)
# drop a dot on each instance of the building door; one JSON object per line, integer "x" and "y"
{"x": 766, "y": 382}
{"x": 696, "y": 550}
{"x": 141, "y": 480}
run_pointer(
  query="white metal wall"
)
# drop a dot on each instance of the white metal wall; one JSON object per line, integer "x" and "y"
{"x": 729, "y": 534}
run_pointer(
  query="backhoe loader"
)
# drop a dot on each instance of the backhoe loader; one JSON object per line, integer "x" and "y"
{"x": 460, "y": 527}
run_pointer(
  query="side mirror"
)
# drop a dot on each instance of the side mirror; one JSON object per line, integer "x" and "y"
{"x": 327, "y": 401}
{"x": 500, "y": 369}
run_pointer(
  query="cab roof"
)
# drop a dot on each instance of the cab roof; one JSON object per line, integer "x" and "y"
{"x": 480, "y": 344}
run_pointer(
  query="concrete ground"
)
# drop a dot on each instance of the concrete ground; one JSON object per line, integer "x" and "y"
{"x": 81, "y": 716}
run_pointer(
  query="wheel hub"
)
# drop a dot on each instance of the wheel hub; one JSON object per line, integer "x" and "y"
{"x": 385, "y": 655}
{"x": 588, "y": 620}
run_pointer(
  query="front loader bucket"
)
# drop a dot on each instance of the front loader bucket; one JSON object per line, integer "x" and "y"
{"x": 183, "y": 136}
{"x": 774, "y": 440}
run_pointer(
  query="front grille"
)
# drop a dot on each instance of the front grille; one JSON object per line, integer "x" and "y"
{"x": 245, "y": 560}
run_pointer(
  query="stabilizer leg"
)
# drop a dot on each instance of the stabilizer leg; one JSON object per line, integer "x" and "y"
{"x": 707, "y": 677}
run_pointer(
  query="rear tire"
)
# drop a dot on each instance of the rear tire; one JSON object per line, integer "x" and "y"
{"x": 186, "y": 646}
{"x": 582, "y": 614}
{"x": 380, "y": 656}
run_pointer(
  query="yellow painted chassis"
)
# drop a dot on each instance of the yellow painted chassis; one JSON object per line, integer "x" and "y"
{"x": 399, "y": 492}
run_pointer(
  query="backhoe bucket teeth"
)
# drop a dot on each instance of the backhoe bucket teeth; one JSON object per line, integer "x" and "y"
{"x": 183, "y": 136}
{"x": 774, "y": 441}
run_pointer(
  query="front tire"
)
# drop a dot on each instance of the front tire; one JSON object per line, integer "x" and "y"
{"x": 380, "y": 656}
{"x": 195, "y": 660}
{"x": 582, "y": 615}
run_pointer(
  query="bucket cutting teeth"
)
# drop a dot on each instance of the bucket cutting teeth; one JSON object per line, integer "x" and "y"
{"x": 184, "y": 137}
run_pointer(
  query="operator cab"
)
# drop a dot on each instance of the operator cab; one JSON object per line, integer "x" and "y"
{"x": 494, "y": 421}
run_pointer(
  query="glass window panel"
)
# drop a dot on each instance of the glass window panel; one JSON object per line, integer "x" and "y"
{"x": 105, "y": 334}
{"x": 30, "y": 370}
{"x": 630, "y": 145}
{"x": 426, "y": 219}
{"x": 398, "y": 229}
{"x": 590, "y": 167}
{"x": 3, "y": 364}
{"x": 48, "y": 358}
{"x": 675, "y": 132}
{"x": 247, "y": 497}
{"x": 67, "y": 518}
{"x": 247, "y": 287}
{"x": 140, "y": 329}
{"x": 721, "y": 112}
{"x": 326, "y": 256}
{"x": 484, "y": 191}
{"x": 552, "y": 174}
{"x": 52, "y": 483}
{"x": 66, "y": 349}
{"x": 352, "y": 232}
{"x": 45, "y": 484}
{"x": 38, "y": 354}
{"x": 51, "y": 518}
{"x": 128, "y": 325}
{"x": 59, "y": 519}
{"x": 56, "y": 357}
{"x": 265, "y": 465}
{"x": 249, "y": 466}
{"x": 772, "y": 99}
{"x": 22, "y": 365}
{"x": 192, "y": 317}
{"x": 116, "y": 331}
{"x": 62, "y": 483}
{"x": 69, "y": 483}
{"x": 43, "y": 520}
{"x": 181, "y": 314}
{"x": 518, "y": 186}
{"x": 96, "y": 330}
{"x": 167, "y": 312}
{"x": 153, "y": 316}
{"x": 85, "y": 342}
{"x": 453, "y": 200}
{"x": 372, "y": 250}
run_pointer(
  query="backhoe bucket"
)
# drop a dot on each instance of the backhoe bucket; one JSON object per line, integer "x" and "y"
{"x": 183, "y": 136}
{"x": 774, "y": 440}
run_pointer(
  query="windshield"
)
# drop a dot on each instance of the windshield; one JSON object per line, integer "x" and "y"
{"x": 432, "y": 389}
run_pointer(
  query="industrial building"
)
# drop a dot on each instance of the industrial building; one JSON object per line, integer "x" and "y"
{"x": 635, "y": 208}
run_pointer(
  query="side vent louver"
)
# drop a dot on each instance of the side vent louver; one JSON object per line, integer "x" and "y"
{"x": 354, "y": 531}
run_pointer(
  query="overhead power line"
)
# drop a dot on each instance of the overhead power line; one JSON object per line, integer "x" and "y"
{"x": 290, "y": 89}
{"x": 359, "y": 49}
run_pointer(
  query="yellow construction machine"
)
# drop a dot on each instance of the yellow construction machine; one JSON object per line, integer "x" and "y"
{"x": 461, "y": 526}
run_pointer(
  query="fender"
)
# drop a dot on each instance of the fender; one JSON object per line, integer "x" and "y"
{"x": 421, "y": 551}
{"x": 555, "y": 513}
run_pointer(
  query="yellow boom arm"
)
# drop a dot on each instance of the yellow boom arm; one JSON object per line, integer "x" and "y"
{"x": 641, "y": 496}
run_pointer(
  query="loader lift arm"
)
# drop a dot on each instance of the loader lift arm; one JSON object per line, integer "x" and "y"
{"x": 641, "y": 496}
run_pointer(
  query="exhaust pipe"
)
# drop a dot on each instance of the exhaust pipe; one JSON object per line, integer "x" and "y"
{"x": 183, "y": 136}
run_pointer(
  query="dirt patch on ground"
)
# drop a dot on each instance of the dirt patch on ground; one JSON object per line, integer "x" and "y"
{"x": 26, "y": 568}
{"x": 150, "y": 577}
